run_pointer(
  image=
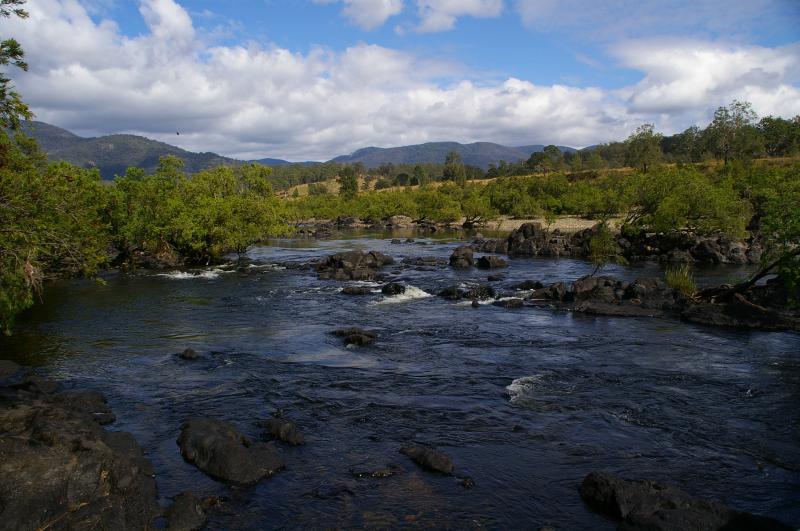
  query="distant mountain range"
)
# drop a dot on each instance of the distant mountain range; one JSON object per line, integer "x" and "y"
{"x": 113, "y": 154}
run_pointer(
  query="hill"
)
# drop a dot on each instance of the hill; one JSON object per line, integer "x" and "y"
{"x": 479, "y": 154}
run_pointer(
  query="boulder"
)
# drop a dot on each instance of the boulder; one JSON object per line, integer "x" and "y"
{"x": 739, "y": 312}
{"x": 651, "y": 506}
{"x": 352, "y": 265}
{"x": 60, "y": 469}
{"x": 494, "y": 278}
{"x": 283, "y": 430}
{"x": 491, "y": 262}
{"x": 481, "y": 292}
{"x": 400, "y": 222}
{"x": 221, "y": 451}
{"x": 8, "y": 369}
{"x": 528, "y": 285}
{"x": 186, "y": 513}
{"x": 429, "y": 458}
{"x": 462, "y": 257}
{"x": 510, "y": 303}
{"x": 498, "y": 245}
{"x": 356, "y": 336}
{"x": 393, "y": 288}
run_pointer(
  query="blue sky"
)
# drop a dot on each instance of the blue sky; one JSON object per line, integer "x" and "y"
{"x": 317, "y": 78}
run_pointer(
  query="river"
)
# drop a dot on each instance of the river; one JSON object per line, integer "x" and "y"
{"x": 526, "y": 401}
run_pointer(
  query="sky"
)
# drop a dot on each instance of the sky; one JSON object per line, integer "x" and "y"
{"x": 313, "y": 79}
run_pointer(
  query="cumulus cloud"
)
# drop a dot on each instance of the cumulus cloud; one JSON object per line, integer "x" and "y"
{"x": 254, "y": 101}
{"x": 368, "y": 14}
{"x": 441, "y": 15}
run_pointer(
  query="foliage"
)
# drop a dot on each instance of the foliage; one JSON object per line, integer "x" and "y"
{"x": 644, "y": 148}
{"x": 680, "y": 278}
{"x": 348, "y": 183}
{"x": 454, "y": 169}
{"x": 781, "y": 226}
{"x": 12, "y": 108}
{"x": 604, "y": 249}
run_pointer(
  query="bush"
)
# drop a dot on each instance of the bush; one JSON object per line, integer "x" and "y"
{"x": 680, "y": 278}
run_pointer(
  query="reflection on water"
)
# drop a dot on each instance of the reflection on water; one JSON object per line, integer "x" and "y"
{"x": 526, "y": 401}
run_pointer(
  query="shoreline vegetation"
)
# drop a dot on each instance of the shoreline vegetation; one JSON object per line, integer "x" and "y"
{"x": 729, "y": 207}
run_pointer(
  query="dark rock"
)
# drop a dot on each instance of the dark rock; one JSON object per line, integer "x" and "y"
{"x": 429, "y": 458}
{"x": 494, "y": 278}
{"x": 188, "y": 354}
{"x": 510, "y": 303}
{"x": 60, "y": 469}
{"x": 739, "y": 312}
{"x": 186, "y": 513}
{"x": 218, "y": 449}
{"x": 356, "y": 290}
{"x": 329, "y": 492}
{"x": 466, "y": 482}
{"x": 428, "y": 261}
{"x": 283, "y": 430}
{"x": 393, "y": 288}
{"x": 499, "y": 246}
{"x": 396, "y": 241}
{"x": 8, "y": 369}
{"x": 37, "y": 385}
{"x": 366, "y": 471}
{"x": 356, "y": 336}
{"x": 462, "y": 257}
{"x": 491, "y": 262}
{"x": 451, "y": 293}
{"x": 480, "y": 293}
{"x": 651, "y": 506}
{"x": 89, "y": 403}
{"x": 475, "y": 304}
{"x": 352, "y": 265}
{"x": 528, "y": 285}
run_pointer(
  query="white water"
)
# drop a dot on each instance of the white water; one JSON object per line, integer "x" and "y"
{"x": 186, "y": 275}
{"x": 522, "y": 388}
{"x": 411, "y": 293}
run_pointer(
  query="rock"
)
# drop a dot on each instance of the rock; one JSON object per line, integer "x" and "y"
{"x": 400, "y": 221}
{"x": 494, "y": 278}
{"x": 393, "y": 288}
{"x": 509, "y": 303}
{"x": 651, "y": 506}
{"x": 36, "y": 384}
{"x": 499, "y": 246}
{"x": 357, "y": 290}
{"x": 451, "y": 293}
{"x": 396, "y": 241}
{"x": 491, "y": 262}
{"x": 185, "y": 514}
{"x": 429, "y": 458}
{"x": 528, "y": 285}
{"x": 462, "y": 257}
{"x": 367, "y": 471}
{"x": 8, "y": 369}
{"x": 427, "y": 261}
{"x": 480, "y": 293}
{"x": 475, "y": 304}
{"x": 739, "y": 312}
{"x": 60, "y": 469}
{"x": 284, "y": 430}
{"x": 188, "y": 354}
{"x": 89, "y": 403}
{"x": 466, "y": 482}
{"x": 356, "y": 336}
{"x": 352, "y": 265}
{"x": 218, "y": 449}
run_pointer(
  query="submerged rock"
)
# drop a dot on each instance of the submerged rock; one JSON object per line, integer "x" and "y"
{"x": 8, "y": 369}
{"x": 186, "y": 513}
{"x": 188, "y": 354}
{"x": 510, "y": 303}
{"x": 284, "y": 430}
{"x": 491, "y": 262}
{"x": 356, "y": 336}
{"x": 480, "y": 292}
{"x": 651, "y": 506}
{"x": 356, "y": 290}
{"x": 429, "y": 458}
{"x": 218, "y": 449}
{"x": 60, "y": 469}
{"x": 462, "y": 257}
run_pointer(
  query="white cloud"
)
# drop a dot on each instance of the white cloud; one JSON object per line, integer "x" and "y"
{"x": 368, "y": 14}
{"x": 252, "y": 101}
{"x": 441, "y": 15}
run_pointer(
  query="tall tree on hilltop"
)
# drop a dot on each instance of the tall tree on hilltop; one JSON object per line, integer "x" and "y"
{"x": 643, "y": 148}
{"x": 454, "y": 169}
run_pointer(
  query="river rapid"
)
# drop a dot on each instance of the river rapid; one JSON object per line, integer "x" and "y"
{"x": 526, "y": 401}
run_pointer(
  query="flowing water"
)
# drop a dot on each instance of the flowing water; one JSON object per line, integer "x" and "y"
{"x": 526, "y": 401}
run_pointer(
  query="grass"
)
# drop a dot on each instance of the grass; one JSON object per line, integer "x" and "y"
{"x": 680, "y": 278}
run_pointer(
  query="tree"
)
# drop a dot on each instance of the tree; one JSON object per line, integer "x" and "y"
{"x": 732, "y": 134}
{"x": 604, "y": 249}
{"x": 554, "y": 156}
{"x": 538, "y": 162}
{"x": 419, "y": 175}
{"x": 12, "y": 108}
{"x": 781, "y": 137}
{"x": 643, "y": 148}
{"x": 348, "y": 183}
{"x": 454, "y": 169}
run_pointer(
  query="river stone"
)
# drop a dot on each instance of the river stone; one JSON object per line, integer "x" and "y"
{"x": 218, "y": 449}
{"x": 429, "y": 458}
{"x": 8, "y": 369}
{"x": 185, "y": 514}
{"x": 356, "y": 290}
{"x": 282, "y": 429}
{"x": 393, "y": 288}
{"x": 188, "y": 354}
{"x": 59, "y": 469}
{"x": 462, "y": 257}
{"x": 491, "y": 262}
{"x": 356, "y": 336}
{"x": 509, "y": 303}
{"x": 651, "y": 506}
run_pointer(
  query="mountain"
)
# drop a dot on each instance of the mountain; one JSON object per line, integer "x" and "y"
{"x": 479, "y": 154}
{"x": 113, "y": 154}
